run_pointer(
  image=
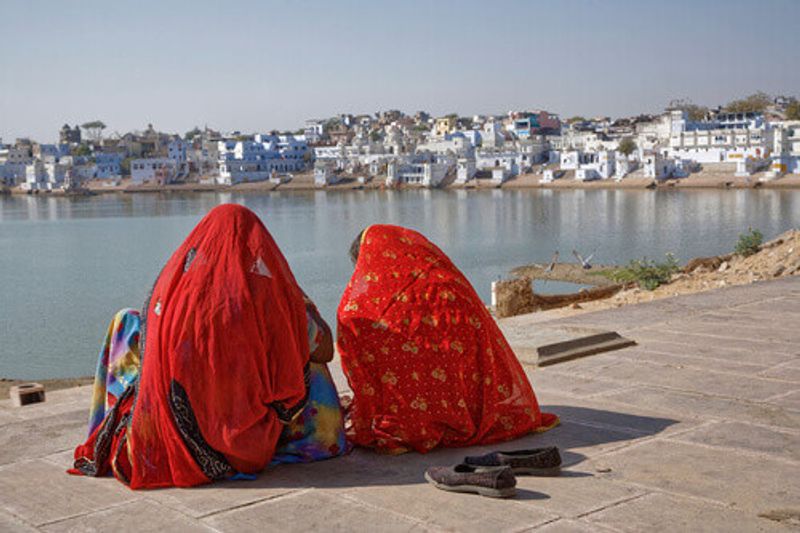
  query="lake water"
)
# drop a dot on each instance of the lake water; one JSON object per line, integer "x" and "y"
{"x": 67, "y": 264}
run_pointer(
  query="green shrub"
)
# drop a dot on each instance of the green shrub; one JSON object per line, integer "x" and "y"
{"x": 749, "y": 243}
{"x": 646, "y": 274}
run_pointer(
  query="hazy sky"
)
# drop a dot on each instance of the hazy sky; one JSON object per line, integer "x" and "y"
{"x": 260, "y": 65}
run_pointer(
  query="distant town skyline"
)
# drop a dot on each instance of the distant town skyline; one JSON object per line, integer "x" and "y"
{"x": 256, "y": 66}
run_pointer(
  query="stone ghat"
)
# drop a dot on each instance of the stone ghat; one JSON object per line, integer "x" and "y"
{"x": 695, "y": 428}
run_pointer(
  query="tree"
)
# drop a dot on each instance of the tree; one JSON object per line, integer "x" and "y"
{"x": 626, "y": 146}
{"x": 191, "y": 134}
{"x": 755, "y": 103}
{"x": 94, "y": 129}
{"x": 125, "y": 166}
{"x": 793, "y": 110}
{"x": 375, "y": 136}
{"x": 693, "y": 111}
{"x": 81, "y": 150}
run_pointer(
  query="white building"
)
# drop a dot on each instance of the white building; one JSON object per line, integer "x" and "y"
{"x": 729, "y": 138}
{"x": 511, "y": 163}
{"x": 314, "y": 130}
{"x": 262, "y": 158}
{"x": 786, "y": 149}
{"x": 160, "y": 170}
{"x": 40, "y": 176}
{"x": 465, "y": 170}
{"x": 657, "y": 166}
{"x": 325, "y": 174}
{"x": 596, "y": 165}
{"x": 456, "y": 145}
{"x": 13, "y": 163}
{"x": 425, "y": 172}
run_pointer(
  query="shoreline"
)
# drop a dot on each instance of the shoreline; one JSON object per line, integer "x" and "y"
{"x": 305, "y": 183}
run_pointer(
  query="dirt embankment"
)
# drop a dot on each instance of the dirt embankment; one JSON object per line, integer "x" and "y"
{"x": 777, "y": 258}
{"x": 569, "y": 272}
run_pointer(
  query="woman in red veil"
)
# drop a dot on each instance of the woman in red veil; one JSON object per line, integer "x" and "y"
{"x": 427, "y": 364}
{"x": 224, "y": 363}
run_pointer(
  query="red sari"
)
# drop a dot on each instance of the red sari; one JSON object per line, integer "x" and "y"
{"x": 427, "y": 363}
{"x": 224, "y": 360}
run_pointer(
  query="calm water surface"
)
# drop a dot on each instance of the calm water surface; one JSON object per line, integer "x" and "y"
{"x": 68, "y": 264}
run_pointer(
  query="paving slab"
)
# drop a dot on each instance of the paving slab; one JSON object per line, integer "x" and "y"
{"x": 458, "y": 512}
{"x": 706, "y": 381}
{"x": 775, "y": 443}
{"x": 312, "y": 511}
{"x": 40, "y": 492}
{"x": 41, "y": 436}
{"x": 135, "y": 517}
{"x": 565, "y": 525}
{"x": 789, "y": 401}
{"x": 789, "y": 371}
{"x": 683, "y": 404}
{"x": 687, "y": 431}
{"x": 785, "y": 339}
{"x": 744, "y": 481}
{"x": 663, "y": 512}
{"x": 690, "y": 360}
{"x": 558, "y": 380}
{"x": 760, "y": 350}
{"x": 12, "y": 523}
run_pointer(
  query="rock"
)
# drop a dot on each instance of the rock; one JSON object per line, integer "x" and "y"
{"x": 777, "y": 271}
{"x": 724, "y": 266}
{"x": 722, "y": 283}
{"x": 576, "y": 305}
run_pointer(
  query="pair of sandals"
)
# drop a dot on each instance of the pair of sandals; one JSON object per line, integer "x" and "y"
{"x": 494, "y": 474}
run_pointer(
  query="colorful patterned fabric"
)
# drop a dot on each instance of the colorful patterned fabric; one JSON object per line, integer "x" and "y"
{"x": 117, "y": 366}
{"x": 225, "y": 363}
{"x": 316, "y": 434}
{"x": 427, "y": 363}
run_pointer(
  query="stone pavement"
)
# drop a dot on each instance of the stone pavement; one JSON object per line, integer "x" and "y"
{"x": 697, "y": 428}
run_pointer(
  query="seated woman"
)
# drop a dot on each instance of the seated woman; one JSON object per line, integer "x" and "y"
{"x": 427, "y": 363}
{"x": 224, "y": 372}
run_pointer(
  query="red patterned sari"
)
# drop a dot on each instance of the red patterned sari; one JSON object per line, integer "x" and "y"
{"x": 427, "y": 363}
{"x": 224, "y": 363}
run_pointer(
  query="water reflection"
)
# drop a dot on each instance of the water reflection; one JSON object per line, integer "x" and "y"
{"x": 71, "y": 262}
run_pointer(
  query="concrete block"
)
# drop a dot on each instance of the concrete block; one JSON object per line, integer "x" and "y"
{"x": 26, "y": 394}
